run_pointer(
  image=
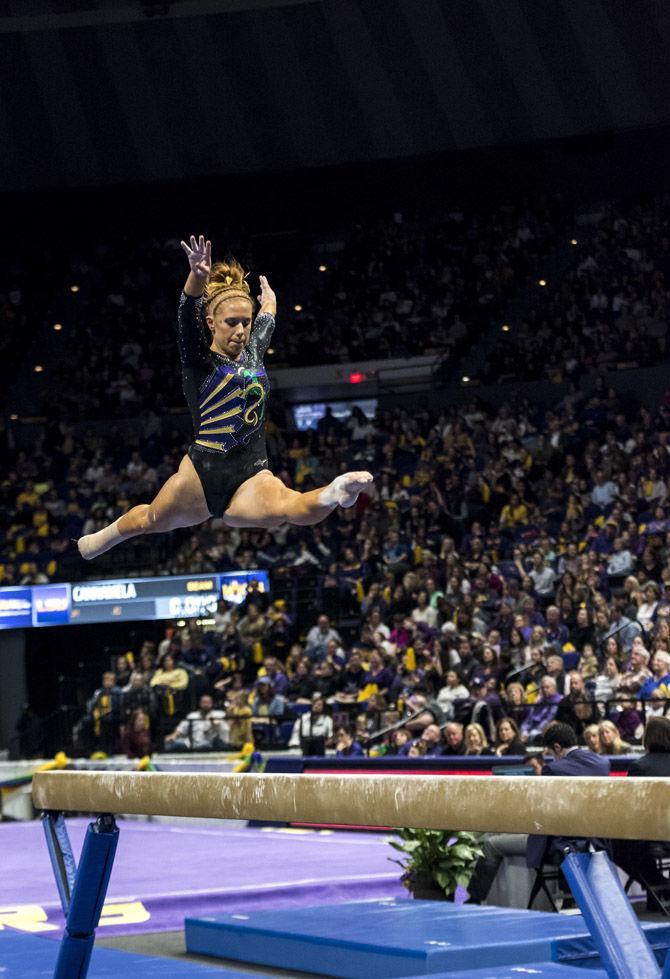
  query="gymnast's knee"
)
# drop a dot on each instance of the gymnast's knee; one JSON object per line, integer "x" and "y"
{"x": 152, "y": 523}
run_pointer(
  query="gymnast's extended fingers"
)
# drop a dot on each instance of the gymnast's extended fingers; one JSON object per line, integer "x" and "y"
{"x": 189, "y": 251}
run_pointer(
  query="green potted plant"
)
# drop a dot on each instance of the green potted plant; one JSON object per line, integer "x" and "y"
{"x": 436, "y": 862}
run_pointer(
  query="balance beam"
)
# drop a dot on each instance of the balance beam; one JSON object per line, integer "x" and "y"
{"x": 601, "y": 807}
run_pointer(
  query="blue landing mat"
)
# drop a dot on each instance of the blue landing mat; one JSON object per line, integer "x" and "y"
{"x": 394, "y": 938}
{"x": 545, "y": 970}
{"x": 30, "y": 957}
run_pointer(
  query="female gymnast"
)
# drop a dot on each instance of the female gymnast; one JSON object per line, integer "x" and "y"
{"x": 225, "y": 473}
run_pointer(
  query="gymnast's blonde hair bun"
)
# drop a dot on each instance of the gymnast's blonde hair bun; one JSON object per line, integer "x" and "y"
{"x": 227, "y": 280}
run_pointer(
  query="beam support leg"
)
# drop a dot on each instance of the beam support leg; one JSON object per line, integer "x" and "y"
{"x": 616, "y": 932}
{"x": 82, "y": 890}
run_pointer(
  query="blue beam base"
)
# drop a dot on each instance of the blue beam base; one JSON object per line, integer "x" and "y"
{"x": 82, "y": 893}
{"x": 616, "y": 932}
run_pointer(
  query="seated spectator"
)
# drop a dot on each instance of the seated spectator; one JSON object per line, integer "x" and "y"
{"x": 607, "y": 684}
{"x": 136, "y": 737}
{"x": 378, "y": 675}
{"x": 577, "y": 708}
{"x": 588, "y": 663}
{"x": 532, "y": 675}
{"x": 199, "y": 660}
{"x": 592, "y": 738}
{"x": 301, "y": 685}
{"x": 231, "y": 658}
{"x": 488, "y": 669}
{"x": 451, "y": 693}
{"x": 238, "y": 716}
{"x": 324, "y": 677}
{"x": 628, "y": 721}
{"x": 318, "y": 638}
{"x": 336, "y": 654}
{"x": 253, "y": 630}
{"x": 514, "y": 514}
{"x": 345, "y": 746}
{"x": 556, "y": 631}
{"x": 475, "y": 741}
{"x": 582, "y": 631}
{"x": 402, "y": 632}
{"x": 313, "y": 729}
{"x": 508, "y": 738}
{"x": 376, "y": 707}
{"x": 280, "y": 627}
{"x": 637, "y": 674}
{"x": 204, "y": 729}
{"x": 660, "y": 675}
{"x": 268, "y": 706}
{"x": 123, "y": 668}
{"x": 556, "y": 669}
{"x": 138, "y": 696}
{"x": 604, "y": 492}
{"x": 636, "y": 857}
{"x": 542, "y": 712}
{"x": 395, "y": 555}
{"x": 658, "y": 704}
{"x": 169, "y": 675}
{"x": 542, "y": 576}
{"x": 429, "y": 744}
{"x": 620, "y": 627}
{"x": 647, "y": 609}
{"x": 400, "y": 741}
{"x": 485, "y": 706}
{"x": 452, "y": 736}
{"x": 351, "y": 679}
{"x": 424, "y": 612}
{"x": 146, "y": 665}
{"x": 515, "y": 703}
{"x": 620, "y": 562}
{"x": 272, "y": 669}
{"x": 99, "y": 727}
{"x": 610, "y": 739}
{"x": 516, "y": 650}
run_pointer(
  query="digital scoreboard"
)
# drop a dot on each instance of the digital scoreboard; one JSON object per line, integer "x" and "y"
{"x": 124, "y": 599}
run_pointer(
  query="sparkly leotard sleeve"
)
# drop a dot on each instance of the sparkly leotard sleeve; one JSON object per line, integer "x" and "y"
{"x": 227, "y": 400}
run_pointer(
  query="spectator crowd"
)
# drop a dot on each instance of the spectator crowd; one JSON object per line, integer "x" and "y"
{"x": 609, "y": 309}
{"x": 510, "y": 567}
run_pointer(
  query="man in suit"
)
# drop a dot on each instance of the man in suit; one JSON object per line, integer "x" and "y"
{"x": 636, "y": 857}
{"x": 560, "y": 741}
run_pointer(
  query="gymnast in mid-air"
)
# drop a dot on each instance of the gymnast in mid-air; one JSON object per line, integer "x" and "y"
{"x": 225, "y": 472}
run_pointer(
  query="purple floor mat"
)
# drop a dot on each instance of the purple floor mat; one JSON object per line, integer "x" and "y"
{"x": 164, "y": 873}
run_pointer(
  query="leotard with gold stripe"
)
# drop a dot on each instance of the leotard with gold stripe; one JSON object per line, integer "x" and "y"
{"x": 227, "y": 398}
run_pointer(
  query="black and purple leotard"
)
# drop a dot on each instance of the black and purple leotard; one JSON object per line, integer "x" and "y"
{"x": 227, "y": 400}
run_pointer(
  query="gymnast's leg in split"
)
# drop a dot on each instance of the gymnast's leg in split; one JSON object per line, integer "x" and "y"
{"x": 261, "y": 501}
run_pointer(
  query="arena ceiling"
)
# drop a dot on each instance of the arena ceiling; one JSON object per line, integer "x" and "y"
{"x": 136, "y": 90}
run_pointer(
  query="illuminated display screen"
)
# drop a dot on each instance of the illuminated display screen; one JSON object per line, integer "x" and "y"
{"x": 124, "y": 599}
{"x": 308, "y": 415}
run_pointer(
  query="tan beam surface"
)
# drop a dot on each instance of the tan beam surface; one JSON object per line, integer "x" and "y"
{"x": 609, "y": 807}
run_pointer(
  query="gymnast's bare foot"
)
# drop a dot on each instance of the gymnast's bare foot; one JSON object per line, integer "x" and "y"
{"x": 344, "y": 489}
